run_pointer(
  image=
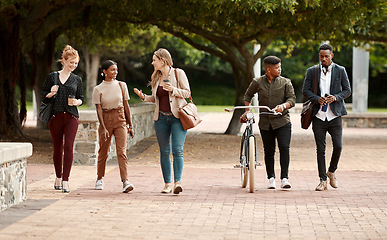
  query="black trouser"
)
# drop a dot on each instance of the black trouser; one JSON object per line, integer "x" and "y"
{"x": 335, "y": 129}
{"x": 283, "y": 135}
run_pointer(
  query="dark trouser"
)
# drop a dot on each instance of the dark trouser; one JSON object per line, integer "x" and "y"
{"x": 63, "y": 127}
{"x": 283, "y": 135}
{"x": 335, "y": 129}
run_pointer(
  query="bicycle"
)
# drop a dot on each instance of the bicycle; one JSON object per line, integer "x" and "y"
{"x": 249, "y": 146}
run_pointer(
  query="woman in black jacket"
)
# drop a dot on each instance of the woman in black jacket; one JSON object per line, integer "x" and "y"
{"x": 65, "y": 90}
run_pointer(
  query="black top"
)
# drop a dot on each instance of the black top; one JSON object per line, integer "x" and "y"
{"x": 164, "y": 104}
{"x": 73, "y": 86}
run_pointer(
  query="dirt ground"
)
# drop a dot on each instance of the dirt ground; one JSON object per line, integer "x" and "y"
{"x": 210, "y": 149}
{"x": 199, "y": 147}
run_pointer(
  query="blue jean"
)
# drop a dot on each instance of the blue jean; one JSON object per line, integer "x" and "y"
{"x": 283, "y": 136}
{"x": 335, "y": 129}
{"x": 167, "y": 127}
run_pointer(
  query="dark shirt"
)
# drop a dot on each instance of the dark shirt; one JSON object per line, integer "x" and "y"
{"x": 163, "y": 95}
{"x": 73, "y": 86}
{"x": 279, "y": 91}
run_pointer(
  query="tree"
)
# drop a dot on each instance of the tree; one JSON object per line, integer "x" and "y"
{"x": 24, "y": 25}
{"x": 100, "y": 35}
{"x": 227, "y": 29}
{"x": 32, "y": 27}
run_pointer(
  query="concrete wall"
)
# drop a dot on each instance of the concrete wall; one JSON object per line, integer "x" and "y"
{"x": 13, "y": 170}
{"x": 86, "y": 141}
{"x": 358, "y": 120}
{"x": 365, "y": 120}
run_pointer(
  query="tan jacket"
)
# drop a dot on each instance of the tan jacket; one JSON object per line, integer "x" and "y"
{"x": 176, "y": 97}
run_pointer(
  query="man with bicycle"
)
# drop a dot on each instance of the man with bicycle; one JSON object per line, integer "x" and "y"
{"x": 277, "y": 93}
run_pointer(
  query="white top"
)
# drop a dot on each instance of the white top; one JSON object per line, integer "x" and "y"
{"x": 109, "y": 95}
{"x": 325, "y": 84}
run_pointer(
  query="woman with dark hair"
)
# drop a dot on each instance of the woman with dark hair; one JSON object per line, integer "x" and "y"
{"x": 111, "y": 100}
{"x": 170, "y": 87}
{"x": 66, "y": 94}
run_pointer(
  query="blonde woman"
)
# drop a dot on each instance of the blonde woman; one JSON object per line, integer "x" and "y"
{"x": 66, "y": 96}
{"x": 168, "y": 94}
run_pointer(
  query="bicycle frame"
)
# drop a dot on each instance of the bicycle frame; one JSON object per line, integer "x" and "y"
{"x": 249, "y": 146}
{"x": 245, "y": 143}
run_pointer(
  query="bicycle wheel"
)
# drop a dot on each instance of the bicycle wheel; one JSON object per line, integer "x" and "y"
{"x": 251, "y": 163}
{"x": 244, "y": 170}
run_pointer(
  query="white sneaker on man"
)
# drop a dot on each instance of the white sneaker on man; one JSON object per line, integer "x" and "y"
{"x": 285, "y": 183}
{"x": 127, "y": 187}
{"x": 271, "y": 183}
{"x": 99, "y": 184}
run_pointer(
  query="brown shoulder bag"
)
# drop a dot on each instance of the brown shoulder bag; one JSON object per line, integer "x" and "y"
{"x": 188, "y": 113}
{"x": 307, "y": 107}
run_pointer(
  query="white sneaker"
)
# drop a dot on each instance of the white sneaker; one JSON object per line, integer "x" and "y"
{"x": 271, "y": 183}
{"x": 99, "y": 184}
{"x": 127, "y": 187}
{"x": 285, "y": 183}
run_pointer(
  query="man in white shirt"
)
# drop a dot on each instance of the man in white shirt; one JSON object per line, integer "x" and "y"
{"x": 329, "y": 106}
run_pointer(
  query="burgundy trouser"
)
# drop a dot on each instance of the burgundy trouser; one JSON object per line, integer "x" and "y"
{"x": 63, "y": 128}
{"x": 115, "y": 124}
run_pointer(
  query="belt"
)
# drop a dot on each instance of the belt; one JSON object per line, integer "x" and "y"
{"x": 166, "y": 113}
{"x": 113, "y": 109}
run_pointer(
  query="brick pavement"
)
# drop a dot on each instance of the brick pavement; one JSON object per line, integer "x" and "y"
{"x": 213, "y": 205}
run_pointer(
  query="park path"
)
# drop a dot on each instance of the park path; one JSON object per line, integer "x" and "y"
{"x": 212, "y": 205}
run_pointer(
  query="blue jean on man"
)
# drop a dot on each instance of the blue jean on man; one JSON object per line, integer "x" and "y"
{"x": 320, "y": 129}
{"x": 283, "y": 136}
{"x": 167, "y": 127}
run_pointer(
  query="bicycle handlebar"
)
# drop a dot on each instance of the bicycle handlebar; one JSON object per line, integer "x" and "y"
{"x": 271, "y": 111}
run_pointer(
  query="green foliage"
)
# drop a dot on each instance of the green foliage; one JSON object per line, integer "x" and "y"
{"x": 378, "y": 60}
{"x": 185, "y": 53}
{"x": 106, "y": 36}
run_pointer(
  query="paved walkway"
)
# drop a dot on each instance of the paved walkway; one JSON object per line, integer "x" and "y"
{"x": 213, "y": 205}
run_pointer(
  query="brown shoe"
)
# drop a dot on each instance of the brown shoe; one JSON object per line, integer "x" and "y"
{"x": 167, "y": 188}
{"x": 322, "y": 186}
{"x": 332, "y": 179}
{"x": 177, "y": 189}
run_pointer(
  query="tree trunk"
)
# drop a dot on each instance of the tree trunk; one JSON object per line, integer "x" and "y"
{"x": 9, "y": 72}
{"x": 41, "y": 58}
{"x": 243, "y": 78}
{"x": 91, "y": 65}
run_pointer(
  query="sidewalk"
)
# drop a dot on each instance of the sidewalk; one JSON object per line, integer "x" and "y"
{"x": 213, "y": 205}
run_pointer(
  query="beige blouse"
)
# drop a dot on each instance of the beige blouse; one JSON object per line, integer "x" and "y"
{"x": 109, "y": 95}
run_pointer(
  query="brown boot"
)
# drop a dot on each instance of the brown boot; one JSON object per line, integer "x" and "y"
{"x": 332, "y": 179}
{"x": 322, "y": 186}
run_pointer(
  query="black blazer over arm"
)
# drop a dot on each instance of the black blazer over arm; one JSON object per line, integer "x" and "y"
{"x": 340, "y": 88}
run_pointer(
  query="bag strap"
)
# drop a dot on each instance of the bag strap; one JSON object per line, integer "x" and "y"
{"x": 122, "y": 91}
{"x": 178, "y": 84}
{"x": 128, "y": 118}
{"x": 56, "y": 78}
{"x": 315, "y": 78}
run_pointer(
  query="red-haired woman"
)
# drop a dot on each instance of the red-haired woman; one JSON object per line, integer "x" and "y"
{"x": 65, "y": 95}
